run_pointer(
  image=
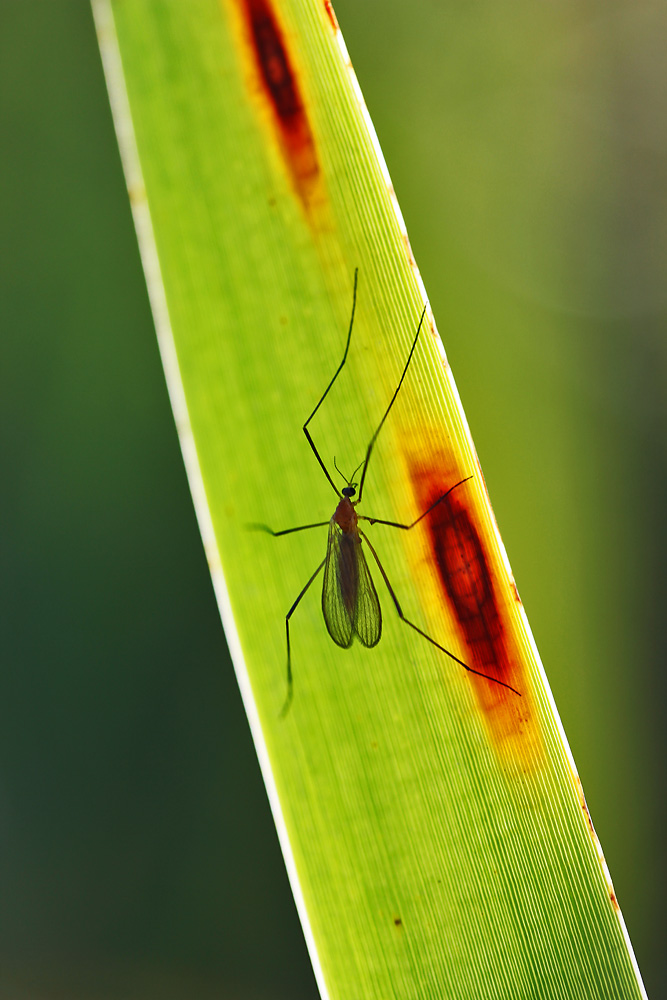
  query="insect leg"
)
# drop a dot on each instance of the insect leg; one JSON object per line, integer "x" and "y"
{"x": 424, "y": 634}
{"x": 326, "y": 391}
{"x": 391, "y": 403}
{"x": 406, "y": 527}
{"x": 285, "y": 531}
{"x": 288, "y": 700}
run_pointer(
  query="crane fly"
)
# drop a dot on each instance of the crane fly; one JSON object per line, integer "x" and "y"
{"x": 350, "y": 603}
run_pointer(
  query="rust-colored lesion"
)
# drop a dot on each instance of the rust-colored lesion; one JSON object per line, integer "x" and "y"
{"x": 479, "y": 592}
{"x": 594, "y": 839}
{"x": 331, "y": 14}
{"x": 276, "y": 82}
{"x": 466, "y": 578}
{"x": 587, "y": 815}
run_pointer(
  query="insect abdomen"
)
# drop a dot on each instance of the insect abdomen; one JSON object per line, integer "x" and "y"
{"x": 348, "y": 570}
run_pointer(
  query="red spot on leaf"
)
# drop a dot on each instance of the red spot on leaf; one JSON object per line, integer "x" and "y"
{"x": 477, "y": 589}
{"x": 331, "y": 14}
{"x": 282, "y": 91}
{"x": 467, "y": 580}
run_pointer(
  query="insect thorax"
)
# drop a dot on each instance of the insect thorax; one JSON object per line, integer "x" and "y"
{"x": 345, "y": 516}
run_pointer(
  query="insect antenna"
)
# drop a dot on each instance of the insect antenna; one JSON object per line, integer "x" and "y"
{"x": 356, "y": 470}
{"x": 340, "y": 472}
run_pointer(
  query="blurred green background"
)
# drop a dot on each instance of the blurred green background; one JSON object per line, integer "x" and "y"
{"x": 528, "y": 149}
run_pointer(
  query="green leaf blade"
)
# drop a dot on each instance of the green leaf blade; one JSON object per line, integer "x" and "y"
{"x": 434, "y": 831}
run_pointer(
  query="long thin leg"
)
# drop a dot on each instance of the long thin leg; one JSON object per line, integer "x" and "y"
{"x": 326, "y": 391}
{"x": 393, "y": 398}
{"x": 285, "y": 531}
{"x": 288, "y": 700}
{"x": 406, "y": 527}
{"x": 428, "y": 637}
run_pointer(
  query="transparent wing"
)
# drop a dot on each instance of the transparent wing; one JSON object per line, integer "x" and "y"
{"x": 339, "y": 591}
{"x": 367, "y": 621}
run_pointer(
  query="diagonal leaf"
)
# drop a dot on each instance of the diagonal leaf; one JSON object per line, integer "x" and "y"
{"x": 432, "y": 821}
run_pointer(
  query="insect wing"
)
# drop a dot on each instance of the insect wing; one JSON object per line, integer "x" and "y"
{"x": 339, "y": 593}
{"x": 367, "y": 614}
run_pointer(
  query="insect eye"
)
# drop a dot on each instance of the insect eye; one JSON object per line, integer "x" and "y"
{"x": 349, "y": 491}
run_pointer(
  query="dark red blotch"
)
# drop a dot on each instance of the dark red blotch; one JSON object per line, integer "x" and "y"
{"x": 273, "y": 61}
{"x": 468, "y": 583}
{"x": 282, "y": 89}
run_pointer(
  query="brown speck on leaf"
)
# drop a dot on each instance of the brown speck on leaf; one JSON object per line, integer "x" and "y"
{"x": 584, "y": 807}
